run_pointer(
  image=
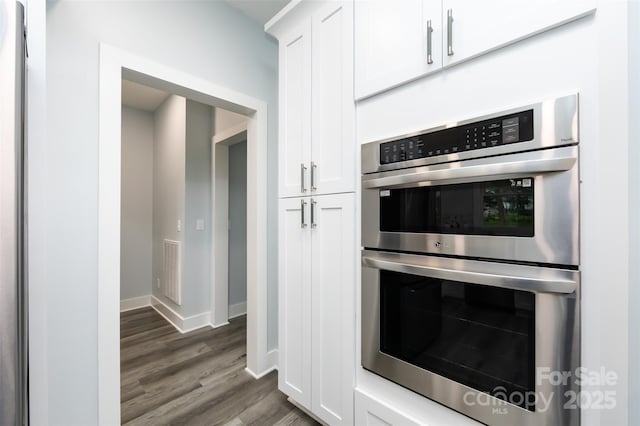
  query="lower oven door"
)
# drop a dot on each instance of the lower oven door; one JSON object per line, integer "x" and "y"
{"x": 483, "y": 338}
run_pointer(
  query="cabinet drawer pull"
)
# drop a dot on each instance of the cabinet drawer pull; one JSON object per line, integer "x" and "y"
{"x": 314, "y": 166}
{"x": 449, "y": 32}
{"x": 313, "y": 213}
{"x": 303, "y": 168}
{"x": 303, "y": 203}
{"x": 429, "y": 42}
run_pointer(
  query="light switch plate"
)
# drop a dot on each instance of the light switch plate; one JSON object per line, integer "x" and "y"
{"x": 179, "y": 226}
{"x": 200, "y": 225}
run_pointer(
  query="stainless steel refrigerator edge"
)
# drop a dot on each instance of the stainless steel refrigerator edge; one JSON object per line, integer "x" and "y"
{"x": 13, "y": 327}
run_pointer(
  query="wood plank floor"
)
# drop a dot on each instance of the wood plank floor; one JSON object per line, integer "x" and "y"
{"x": 196, "y": 378}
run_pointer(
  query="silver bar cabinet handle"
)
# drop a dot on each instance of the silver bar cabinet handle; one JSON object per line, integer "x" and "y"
{"x": 429, "y": 42}
{"x": 449, "y": 32}
{"x": 314, "y": 166}
{"x": 303, "y": 168}
{"x": 313, "y": 213}
{"x": 303, "y": 203}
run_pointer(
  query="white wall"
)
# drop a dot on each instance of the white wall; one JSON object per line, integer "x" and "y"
{"x": 634, "y": 209}
{"x": 196, "y": 273}
{"x": 224, "y": 120}
{"x": 137, "y": 203}
{"x": 208, "y": 39}
{"x": 37, "y": 199}
{"x": 238, "y": 223}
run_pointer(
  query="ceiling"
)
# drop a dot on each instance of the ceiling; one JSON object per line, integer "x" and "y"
{"x": 142, "y": 97}
{"x": 259, "y": 10}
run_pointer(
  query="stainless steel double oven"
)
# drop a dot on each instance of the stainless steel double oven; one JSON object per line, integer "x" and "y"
{"x": 470, "y": 266}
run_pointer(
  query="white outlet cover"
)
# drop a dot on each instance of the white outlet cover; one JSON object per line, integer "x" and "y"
{"x": 200, "y": 225}
{"x": 179, "y": 226}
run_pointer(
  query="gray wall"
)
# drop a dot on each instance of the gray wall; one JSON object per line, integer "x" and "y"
{"x": 182, "y": 192}
{"x": 238, "y": 223}
{"x": 169, "y": 159}
{"x": 196, "y": 272}
{"x": 196, "y": 37}
{"x": 137, "y": 203}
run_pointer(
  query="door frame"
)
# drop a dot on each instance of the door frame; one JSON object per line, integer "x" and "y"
{"x": 220, "y": 220}
{"x": 116, "y": 64}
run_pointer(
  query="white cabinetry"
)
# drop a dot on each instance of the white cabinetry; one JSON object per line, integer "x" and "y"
{"x": 295, "y": 110}
{"x": 371, "y": 412}
{"x": 294, "y": 319}
{"x": 316, "y": 304}
{"x": 317, "y": 110}
{"x": 333, "y": 264}
{"x": 393, "y": 39}
{"x": 317, "y": 174}
{"x": 479, "y": 27}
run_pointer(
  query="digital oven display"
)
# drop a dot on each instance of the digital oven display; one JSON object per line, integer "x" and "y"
{"x": 504, "y": 130}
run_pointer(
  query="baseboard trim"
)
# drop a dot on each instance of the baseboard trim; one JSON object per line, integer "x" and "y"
{"x": 272, "y": 364}
{"x": 219, "y": 325}
{"x": 135, "y": 303}
{"x": 272, "y": 359}
{"x": 261, "y": 375}
{"x": 183, "y": 325}
{"x": 237, "y": 310}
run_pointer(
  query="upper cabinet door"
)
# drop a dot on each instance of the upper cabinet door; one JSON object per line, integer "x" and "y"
{"x": 395, "y": 41}
{"x": 472, "y": 28}
{"x": 333, "y": 145}
{"x": 295, "y": 112}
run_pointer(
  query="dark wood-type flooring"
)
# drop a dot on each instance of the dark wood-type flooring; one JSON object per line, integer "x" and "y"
{"x": 197, "y": 378}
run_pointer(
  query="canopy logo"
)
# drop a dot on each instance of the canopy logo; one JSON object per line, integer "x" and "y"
{"x": 583, "y": 389}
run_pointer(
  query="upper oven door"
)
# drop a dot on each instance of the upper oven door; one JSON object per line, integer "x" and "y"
{"x": 520, "y": 207}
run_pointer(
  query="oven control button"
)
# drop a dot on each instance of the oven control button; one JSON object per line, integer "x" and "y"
{"x": 437, "y": 244}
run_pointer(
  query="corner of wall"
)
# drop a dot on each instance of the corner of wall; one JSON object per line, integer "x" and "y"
{"x": 634, "y": 207}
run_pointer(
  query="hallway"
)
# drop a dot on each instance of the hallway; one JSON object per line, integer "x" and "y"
{"x": 197, "y": 378}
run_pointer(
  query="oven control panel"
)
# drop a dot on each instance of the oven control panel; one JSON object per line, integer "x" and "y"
{"x": 507, "y": 129}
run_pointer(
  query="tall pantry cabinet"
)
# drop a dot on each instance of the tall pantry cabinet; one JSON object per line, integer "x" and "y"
{"x": 316, "y": 214}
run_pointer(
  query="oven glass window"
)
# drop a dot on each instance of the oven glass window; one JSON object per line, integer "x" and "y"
{"x": 480, "y": 336}
{"x": 502, "y": 208}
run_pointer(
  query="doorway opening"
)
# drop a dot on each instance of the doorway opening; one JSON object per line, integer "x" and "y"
{"x": 238, "y": 229}
{"x": 229, "y": 157}
{"x": 116, "y": 65}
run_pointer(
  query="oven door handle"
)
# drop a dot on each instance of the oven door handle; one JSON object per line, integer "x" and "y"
{"x": 560, "y": 281}
{"x": 429, "y": 174}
